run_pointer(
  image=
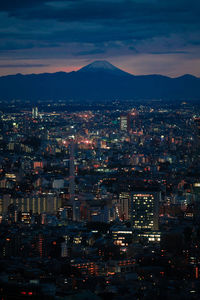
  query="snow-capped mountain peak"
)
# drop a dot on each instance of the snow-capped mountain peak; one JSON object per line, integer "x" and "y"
{"x": 100, "y": 65}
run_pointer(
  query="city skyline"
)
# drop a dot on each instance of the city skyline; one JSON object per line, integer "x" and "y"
{"x": 154, "y": 37}
{"x": 100, "y": 149}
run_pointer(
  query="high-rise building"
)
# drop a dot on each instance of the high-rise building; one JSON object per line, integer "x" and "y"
{"x": 124, "y": 122}
{"x": 125, "y": 205}
{"x": 129, "y": 121}
{"x": 35, "y": 113}
{"x": 145, "y": 206}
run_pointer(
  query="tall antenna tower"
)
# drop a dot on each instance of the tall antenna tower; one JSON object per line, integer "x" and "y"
{"x": 73, "y": 202}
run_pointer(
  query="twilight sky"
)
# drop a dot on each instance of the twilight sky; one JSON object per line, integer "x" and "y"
{"x": 139, "y": 36}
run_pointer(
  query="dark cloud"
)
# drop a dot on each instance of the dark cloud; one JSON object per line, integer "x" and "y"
{"x": 23, "y": 65}
{"x": 107, "y": 20}
{"x": 19, "y": 44}
{"x": 90, "y": 52}
{"x": 14, "y": 45}
{"x": 169, "y": 52}
{"x": 86, "y": 10}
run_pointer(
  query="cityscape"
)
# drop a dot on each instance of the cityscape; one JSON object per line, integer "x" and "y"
{"x": 100, "y": 203}
{"x": 100, "y": 150}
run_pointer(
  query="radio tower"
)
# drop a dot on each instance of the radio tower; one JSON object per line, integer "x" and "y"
{"x": 74, "y": 204}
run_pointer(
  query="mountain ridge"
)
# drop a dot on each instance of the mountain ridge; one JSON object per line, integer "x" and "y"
{"x": 97, "y": 81}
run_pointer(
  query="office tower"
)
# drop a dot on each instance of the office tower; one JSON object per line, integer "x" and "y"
{"x": 35, "y": 113}
{"x": 124, "y": 205}
{"x": 145, "y": 205}
{"x": 124, "y": 122}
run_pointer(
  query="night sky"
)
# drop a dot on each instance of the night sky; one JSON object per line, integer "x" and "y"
{"x": 139, "y": 36}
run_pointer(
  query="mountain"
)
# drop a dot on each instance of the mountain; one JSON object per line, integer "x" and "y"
{"x": 97, "y": 81}
{"x": 102, "y": 66}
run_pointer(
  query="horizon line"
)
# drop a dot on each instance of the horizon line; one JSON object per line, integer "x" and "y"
{"x": 76, "y": 69}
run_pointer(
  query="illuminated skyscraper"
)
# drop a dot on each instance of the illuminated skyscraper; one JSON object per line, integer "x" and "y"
{"x": 145, "y": 205}
{"x": 35, "y": 113}
{"x": 124, "y": 122}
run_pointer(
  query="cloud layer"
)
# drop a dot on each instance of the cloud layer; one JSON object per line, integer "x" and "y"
{"x": 124, "y": 31}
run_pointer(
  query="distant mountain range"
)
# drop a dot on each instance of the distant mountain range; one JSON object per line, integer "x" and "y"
{"x": 98, "y": 81}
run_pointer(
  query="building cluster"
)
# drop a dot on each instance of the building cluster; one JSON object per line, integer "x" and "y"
{"x": 100, "y": 203}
